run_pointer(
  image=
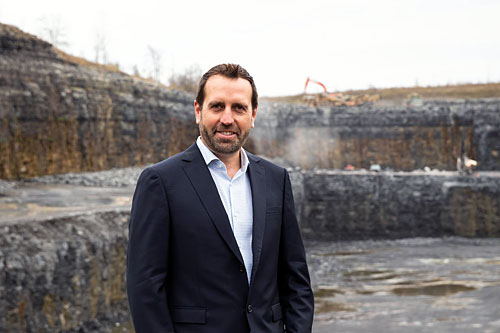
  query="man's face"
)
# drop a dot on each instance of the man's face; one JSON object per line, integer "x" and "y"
{"x": 226, "y": 116}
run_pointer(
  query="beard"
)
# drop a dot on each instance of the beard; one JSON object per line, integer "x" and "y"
{"x": 219, "y": 145}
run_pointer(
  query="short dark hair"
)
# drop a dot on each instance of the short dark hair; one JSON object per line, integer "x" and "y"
{"x": 232, "y": 71}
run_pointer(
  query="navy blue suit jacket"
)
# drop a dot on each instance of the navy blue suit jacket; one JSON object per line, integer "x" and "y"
{"x": 185, "y": 272}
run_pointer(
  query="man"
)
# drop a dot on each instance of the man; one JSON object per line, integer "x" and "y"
{"x": 214, "y": 244}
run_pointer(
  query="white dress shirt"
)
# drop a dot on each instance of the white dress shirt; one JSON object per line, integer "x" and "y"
{"x": 236, "y": 196}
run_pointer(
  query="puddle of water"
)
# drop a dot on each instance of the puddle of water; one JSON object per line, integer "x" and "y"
{"x": 380, "y": 277}
{"x": 461, "y": 261}
{"x": 447, "y": 319}
{"x": 432, "y": 290}
{"x": 325, "y": 307}
{"x": 365, "y": 273}
{"x": 342, "y": 253}
{"x": 327, "y": 292}
{"x": 371, "y": 275}
{"x": 493, "y": 262}
{"x": 407, "y": 282}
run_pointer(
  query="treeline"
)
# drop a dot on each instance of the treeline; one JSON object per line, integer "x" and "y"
{"x": 53, "y": 30}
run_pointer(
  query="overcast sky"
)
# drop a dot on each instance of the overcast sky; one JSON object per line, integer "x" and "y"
{"x": 350, "y": 44}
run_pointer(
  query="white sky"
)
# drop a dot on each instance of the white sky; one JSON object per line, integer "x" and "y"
{"x": 349, "y": 44}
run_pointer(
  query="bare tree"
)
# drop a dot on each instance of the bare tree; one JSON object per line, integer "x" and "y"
{"x": 186, "y": 81}
{"x": 155, "y": 57}
{"x": 54, "y": 31}
{"x": 100, "y": 53}
{"x": 136, "y": 71}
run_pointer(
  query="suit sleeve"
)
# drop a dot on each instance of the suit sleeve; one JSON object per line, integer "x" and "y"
{"x": 147, "y": 256}
{"x": 296, "y": 296}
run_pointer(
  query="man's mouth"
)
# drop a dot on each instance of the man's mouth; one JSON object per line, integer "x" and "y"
{"x": 226, "y": 133}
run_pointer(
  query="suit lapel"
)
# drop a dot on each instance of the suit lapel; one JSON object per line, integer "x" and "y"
{"x": 258, "y": 184}
{"x": 201, "y": 179}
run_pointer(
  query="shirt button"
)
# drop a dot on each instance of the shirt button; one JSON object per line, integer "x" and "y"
{"x": 242, "y": 268}
{"x": 249, "y": 308}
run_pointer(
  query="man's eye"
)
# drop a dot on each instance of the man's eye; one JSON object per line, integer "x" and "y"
{"x": 216, "y": 107}
{"x": 240, "y": 107}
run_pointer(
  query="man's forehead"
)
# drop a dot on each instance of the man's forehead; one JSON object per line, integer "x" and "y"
{"x": 219, "y": 86}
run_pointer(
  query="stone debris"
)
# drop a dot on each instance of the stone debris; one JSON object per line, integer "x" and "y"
{"x": 5, "y": 186}
{"x": 121, "y": 177}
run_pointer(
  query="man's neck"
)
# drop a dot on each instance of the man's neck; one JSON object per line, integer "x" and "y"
{"x": 231, "y": 161}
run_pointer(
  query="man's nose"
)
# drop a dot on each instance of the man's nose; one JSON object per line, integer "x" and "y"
{"x": 227, "y": 116}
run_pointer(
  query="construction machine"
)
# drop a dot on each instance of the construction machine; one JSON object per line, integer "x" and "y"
{"x": 326, "y": 98}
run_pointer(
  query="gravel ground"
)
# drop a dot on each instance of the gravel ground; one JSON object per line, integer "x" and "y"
{"x": 123, "y": 177}
{"x": 6, "y": 186}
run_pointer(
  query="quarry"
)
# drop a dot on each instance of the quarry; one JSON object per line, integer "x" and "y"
{"x": 410, "y": 246}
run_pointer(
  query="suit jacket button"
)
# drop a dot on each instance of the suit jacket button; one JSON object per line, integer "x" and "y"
{"x": 249, "y": 308}
{"x": 242, "y": 268}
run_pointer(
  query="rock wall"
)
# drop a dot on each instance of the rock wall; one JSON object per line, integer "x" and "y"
{"x": 59, "y": 116}
{"x": 343, "y": 205}
{"x": 397, "y": 138}
{"x": 65, "y": 274}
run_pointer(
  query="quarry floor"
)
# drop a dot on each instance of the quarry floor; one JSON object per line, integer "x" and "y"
{"x": 26, "y": 202}
{"x": 409, "y": 285}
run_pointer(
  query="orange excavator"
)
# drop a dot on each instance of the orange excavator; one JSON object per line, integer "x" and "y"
{"x": 326, "y": 98}
{"x": 314, "y": 81}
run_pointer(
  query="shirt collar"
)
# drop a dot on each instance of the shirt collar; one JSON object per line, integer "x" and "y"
{"x": 209, "y": 156}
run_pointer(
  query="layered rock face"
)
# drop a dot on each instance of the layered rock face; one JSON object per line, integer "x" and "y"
{"x": 342, "y": 205}
{"x": 399, "y": 138}
{"x": 65, "y": 274}
{"x": 58, "y": 116}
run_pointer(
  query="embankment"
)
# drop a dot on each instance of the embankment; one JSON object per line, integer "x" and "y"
{"x": 403, "y": 138}
{"x": 65, "y": 274}
{"x": 60, "y": 116}
{"x": 346, "y": 205}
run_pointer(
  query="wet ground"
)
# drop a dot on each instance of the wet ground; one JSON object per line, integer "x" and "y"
{"x": 25, "y": 202}
{"x": 411, "y": 285}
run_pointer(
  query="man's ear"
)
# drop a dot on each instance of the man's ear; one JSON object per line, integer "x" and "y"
{"x": 254, "y": 114}
{"x": 197, "y": 110}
